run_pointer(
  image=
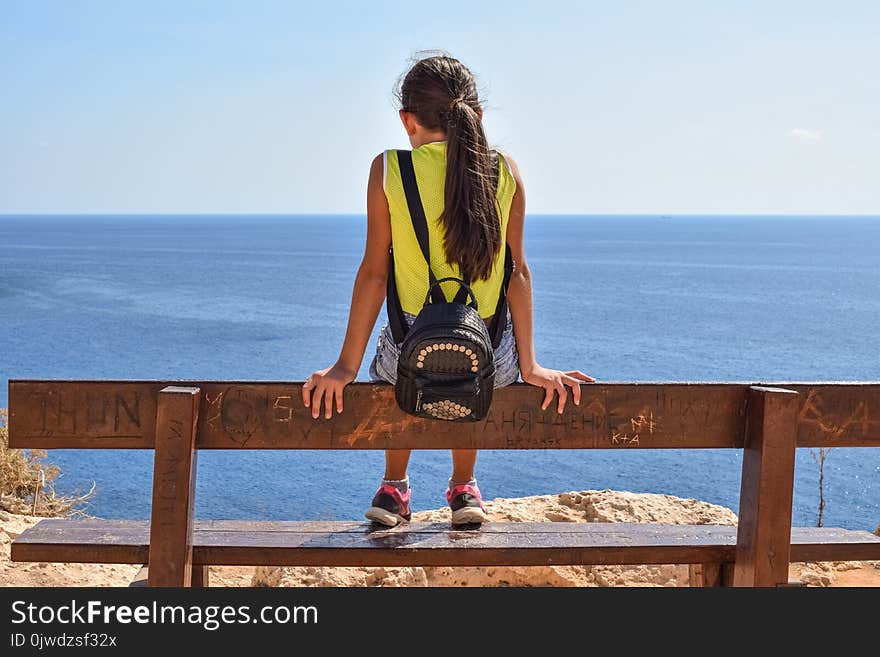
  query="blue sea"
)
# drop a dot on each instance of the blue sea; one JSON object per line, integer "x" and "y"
{"x": 622, "y": 298}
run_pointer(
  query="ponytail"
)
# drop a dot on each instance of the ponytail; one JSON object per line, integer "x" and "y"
{"x": 442, "y": 94}
{"x": 470, "y": 212}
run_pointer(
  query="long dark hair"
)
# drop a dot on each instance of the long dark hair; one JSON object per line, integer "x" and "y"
{"x": 442, "y": 94}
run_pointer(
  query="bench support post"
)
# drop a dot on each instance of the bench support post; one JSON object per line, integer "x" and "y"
{"x": 763, "y": 541}
{"x": 174, "y": 476}
{"x": 710, "y": 574}
{"x": 200, "y": 576}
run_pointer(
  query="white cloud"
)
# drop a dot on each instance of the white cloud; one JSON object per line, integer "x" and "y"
{"x": 806, "y": 135}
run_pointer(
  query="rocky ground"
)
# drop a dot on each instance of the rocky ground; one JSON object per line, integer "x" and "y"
{"x": 53, "y": 574}
{"x": 585, "y": 506}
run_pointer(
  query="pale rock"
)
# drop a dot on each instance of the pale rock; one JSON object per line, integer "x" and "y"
{"x": 53, "y": 574}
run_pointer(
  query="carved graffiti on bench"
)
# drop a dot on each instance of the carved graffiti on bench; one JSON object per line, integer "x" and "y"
{"x": 848, "y": 422}
{"x": 101, "y": 414}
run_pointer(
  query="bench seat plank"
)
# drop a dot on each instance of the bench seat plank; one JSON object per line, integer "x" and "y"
{"x": 350, "y": 543}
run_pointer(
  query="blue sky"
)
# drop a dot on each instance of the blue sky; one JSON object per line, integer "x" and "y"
{"x": 279, "y": 107}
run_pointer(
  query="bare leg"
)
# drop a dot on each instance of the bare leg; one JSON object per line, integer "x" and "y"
{"x": 463, "y": 461}
{"x": 396, "y": 462}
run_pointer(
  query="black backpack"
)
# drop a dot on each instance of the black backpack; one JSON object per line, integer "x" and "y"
{"x": 446, "y": 368}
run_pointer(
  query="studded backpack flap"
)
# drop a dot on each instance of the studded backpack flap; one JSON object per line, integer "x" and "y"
{"x": 446, "y": 368}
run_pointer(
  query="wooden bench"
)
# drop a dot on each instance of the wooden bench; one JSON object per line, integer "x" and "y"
{"x": 176, "y": 419}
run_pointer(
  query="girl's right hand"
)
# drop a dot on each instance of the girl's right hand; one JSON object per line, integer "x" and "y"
{"x": 325, "y": 385}
{"x": 555, "y": 381}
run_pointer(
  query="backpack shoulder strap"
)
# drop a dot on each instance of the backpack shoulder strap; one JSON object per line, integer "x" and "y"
{"x": 499, "y": 321}
{"x": 417, "y": 216}
{"x": 396, "y": 319}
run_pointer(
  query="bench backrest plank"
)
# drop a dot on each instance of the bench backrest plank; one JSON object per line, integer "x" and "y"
{"x": 57, "y": 414}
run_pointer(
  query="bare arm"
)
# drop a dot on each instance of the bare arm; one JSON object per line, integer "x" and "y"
{"x": 519, "y": 298}
{"x": 519, "y": 292}
{"x": 366, "y": 302}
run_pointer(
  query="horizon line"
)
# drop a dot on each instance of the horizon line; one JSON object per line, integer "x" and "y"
{"x": 362, "y": 214}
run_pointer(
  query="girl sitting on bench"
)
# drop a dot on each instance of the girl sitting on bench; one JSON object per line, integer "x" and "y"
{"x": 471, "y": 213}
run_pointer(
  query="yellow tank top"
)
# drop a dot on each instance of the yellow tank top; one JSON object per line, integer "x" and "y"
{"x": 410, "y": 269}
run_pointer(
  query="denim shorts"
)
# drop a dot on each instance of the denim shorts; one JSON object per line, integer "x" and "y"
{"x": 384, "y": 364}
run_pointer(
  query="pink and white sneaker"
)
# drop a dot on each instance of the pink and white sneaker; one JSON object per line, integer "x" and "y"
{"x": 466, "y": 504}
{"x": 390, "y": 507}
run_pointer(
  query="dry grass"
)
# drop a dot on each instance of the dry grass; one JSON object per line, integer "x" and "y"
{"x": 27, "y": 481}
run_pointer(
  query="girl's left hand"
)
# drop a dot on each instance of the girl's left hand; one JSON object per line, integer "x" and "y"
{"x": 325, "y": 385}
